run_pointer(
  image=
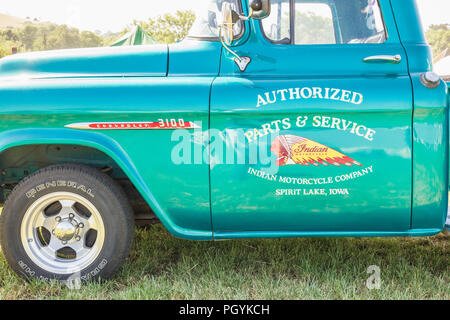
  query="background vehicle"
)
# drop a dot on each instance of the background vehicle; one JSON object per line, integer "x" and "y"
{"x": 351, "y": 121}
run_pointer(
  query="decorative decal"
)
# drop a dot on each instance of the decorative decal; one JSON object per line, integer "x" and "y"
{"x": 287, "y": 148}
{"x": 162, "y": 124}
{"x": 291, "y": 150}
{"x": 316, "y": 121}
{"x": 306, "y": 93}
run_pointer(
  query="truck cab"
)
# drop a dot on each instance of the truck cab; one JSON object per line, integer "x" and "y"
{"x": 281, "y": 118}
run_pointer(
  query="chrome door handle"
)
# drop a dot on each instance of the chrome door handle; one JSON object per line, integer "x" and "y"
{"x": 384, "y": 58}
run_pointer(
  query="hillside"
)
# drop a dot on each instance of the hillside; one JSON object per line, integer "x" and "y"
{"x": 7, "y": 21}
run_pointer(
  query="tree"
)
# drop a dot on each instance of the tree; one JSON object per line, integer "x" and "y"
{"x": 438, "y": 36}
{"x": 8, "y": 40}
{"x": 168, "y": 28}
{"x": 313, "y": 29}
{"x": 9, "y": 35}
{"x": 90, "y": 39}
{"x": 63, "y": 37}
{"x": 51, "y": 37}
{"x": 6, "y": 47}
{"x": 41, "y": 39}
{"x": 27, "y": 35}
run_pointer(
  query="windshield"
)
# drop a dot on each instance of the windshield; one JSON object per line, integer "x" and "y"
{"x": 209, "y": 17}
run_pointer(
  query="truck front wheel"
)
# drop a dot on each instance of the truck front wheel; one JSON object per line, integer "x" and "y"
{"x": 66, "y": 222}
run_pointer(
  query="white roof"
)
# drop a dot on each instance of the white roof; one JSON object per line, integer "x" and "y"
{"x": 442, "y": 67}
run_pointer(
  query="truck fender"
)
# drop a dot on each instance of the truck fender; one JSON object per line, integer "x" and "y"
{"x": 23, "y": 137}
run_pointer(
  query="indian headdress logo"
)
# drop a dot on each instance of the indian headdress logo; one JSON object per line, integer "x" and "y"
{"x": 292, "y": 150}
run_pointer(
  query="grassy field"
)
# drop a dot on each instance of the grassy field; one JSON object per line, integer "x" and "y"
{"x": 163, "y": 267}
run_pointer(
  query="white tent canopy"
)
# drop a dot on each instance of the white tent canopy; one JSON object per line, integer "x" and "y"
{"x": 442, "y": 67}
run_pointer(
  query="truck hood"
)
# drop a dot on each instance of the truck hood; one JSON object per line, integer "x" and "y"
{"x": 92, "y": 62}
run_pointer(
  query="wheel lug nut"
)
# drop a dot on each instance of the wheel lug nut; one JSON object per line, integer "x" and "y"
{"x": 78, "y": 238}
{"x": 58, "y": 219}
{"x": 64, "y": 242}
{"x": 53, "y": 231}
{"x": 81, "y": 225}
{"x": 71, "y": 216}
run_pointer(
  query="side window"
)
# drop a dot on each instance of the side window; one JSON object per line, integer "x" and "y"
{"x": 314, "y": 23}
{"x": 309, "y": 22}
{"x": 277, "y": 25}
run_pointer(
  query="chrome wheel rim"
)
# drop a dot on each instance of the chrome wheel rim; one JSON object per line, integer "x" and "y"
{"x": 62, "y": 232}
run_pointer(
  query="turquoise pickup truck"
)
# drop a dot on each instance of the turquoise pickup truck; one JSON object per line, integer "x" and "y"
{"x": 282, "y": 118}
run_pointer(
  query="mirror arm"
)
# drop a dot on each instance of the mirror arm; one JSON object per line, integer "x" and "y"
{"x": 241, "y": 17}
{"x": 242, "y": 62}
{"x": 246, "y": 18}
{"x": 226, "y": 47}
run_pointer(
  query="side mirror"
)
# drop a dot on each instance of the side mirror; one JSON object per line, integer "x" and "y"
{"x": 229, "y": 19}
{"x": 260, "y": 9}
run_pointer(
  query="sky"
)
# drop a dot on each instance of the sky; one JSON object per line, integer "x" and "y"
{"x": 110, "y": 15}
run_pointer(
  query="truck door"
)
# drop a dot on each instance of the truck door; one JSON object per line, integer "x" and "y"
{"x": 316, "y": 133}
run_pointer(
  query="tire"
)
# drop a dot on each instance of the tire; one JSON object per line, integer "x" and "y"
{"x": 66, "y": 222}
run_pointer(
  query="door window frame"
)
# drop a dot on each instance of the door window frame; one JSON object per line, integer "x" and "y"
{"x": 336, "y": 24}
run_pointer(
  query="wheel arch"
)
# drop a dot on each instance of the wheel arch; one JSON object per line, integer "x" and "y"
{"x": 101, "y": 143}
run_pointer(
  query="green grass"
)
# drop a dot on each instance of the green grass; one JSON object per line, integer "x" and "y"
{"x": 163, "y": 267}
